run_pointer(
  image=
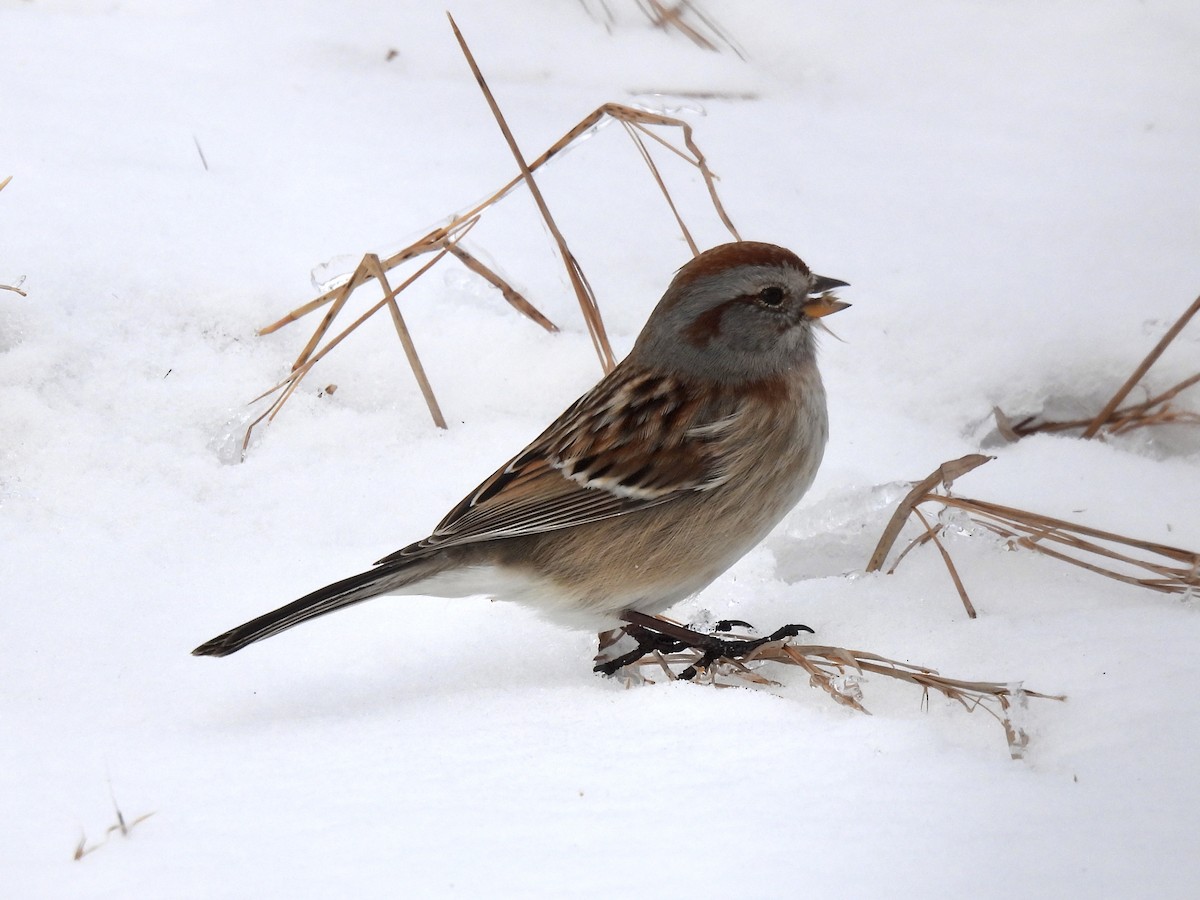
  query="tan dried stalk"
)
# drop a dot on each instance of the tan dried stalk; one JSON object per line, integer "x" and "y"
{"x": 931, "y": 532}
{"x": 1159, "y": 567}
{"x": 15, "y": 288}
{"x": 445, "y": 239}
{"x": 635, "y": 134}
{"x": 1109, "y": 408}
{"x": 454, "y": 230}
{"x": 837, "y": 670}
{"x": 1113, "y": 418}
{"x": 310, "y": 357}
{"x": 706, "y": 33}
{"x": 1147, "y": 564}
{"x": 83, "y": 848}
{"x": 945, "y": 474}
{"x": 579, "y": 283}
{"x": 410, "y": 350}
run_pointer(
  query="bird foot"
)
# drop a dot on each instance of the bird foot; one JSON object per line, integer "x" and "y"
{"x": 655, "y": 637}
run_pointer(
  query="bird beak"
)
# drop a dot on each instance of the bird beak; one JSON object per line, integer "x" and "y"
{"x": 819, "y": 303}
{"x": 823, "y": 285}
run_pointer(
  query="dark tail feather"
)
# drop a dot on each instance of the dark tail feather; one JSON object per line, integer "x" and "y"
{"x": 334, "y": 596}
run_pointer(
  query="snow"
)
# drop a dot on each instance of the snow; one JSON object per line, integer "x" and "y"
{"x": 1011, "y": 188}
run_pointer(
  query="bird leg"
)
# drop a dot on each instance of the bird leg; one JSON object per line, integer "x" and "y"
{"x": 653, "y": 634}
{"x": 647, "y": 642}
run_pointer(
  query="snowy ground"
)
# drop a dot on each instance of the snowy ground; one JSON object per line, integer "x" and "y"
{"x": 1012, "y": 189}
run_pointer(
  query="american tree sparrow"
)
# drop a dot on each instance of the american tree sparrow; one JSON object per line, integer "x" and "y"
{"x": 652, "y": 483}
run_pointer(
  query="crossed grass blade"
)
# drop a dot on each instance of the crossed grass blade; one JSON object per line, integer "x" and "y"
{"x": 1148, "y": 564}
{"x": 446, "y": 239}
{"x": 1113, "y": 418}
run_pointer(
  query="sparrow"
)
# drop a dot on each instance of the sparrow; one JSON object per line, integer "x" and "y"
{"x": 650, "y": 485}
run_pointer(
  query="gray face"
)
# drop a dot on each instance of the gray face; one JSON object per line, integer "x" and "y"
{"x": 737, "y": 324}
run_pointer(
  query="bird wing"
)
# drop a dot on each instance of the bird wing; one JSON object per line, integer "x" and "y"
{"x": 632, "y": 442}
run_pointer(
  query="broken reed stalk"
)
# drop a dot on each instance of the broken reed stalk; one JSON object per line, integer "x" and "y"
{"x": 836, "y": 671}
{"x": 445, "y": 239}
{"x": 121, "y": 827}
{"x": 15, "y": 288}
{"x": 453, "y": 230}
{"x": 945, "y": 474}
{"x": 931, "y": 531}
{"x": 410, "y": 350}
{"x": 1147, "y": 564}
{"x": 1113, "y": 418}
{"x": 636, "y": 137}
{"x": 579, "y": 283}
{"x": 1141, "y": 370}
{"x": 303, "y": 366}
{"x": 1170, "y": 570}
{"x": 514, "y": 298}
{"x": 1156, "y": 410}
{"x": 667, "y": 17}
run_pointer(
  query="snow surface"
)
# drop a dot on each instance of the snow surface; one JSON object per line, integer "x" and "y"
{"x": 1013, "y": 190}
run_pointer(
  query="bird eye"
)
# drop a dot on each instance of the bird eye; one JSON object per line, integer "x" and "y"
{"x": 771, "y": 296}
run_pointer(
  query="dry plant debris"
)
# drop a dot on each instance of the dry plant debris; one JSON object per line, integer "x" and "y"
{"x": 839, "y": 672}
{"x": 1147, "y": 564}
{"x": 690, "y": 21}
{"x": 83, "y": 848}
{"x": 445, "y": 241}
{"x": 15, "y": 288}
{"x": 1113, "y": 418}
{"x": 685, "y": 17}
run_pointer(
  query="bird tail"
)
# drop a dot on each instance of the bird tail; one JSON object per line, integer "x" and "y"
{"x": 338, "y": 595}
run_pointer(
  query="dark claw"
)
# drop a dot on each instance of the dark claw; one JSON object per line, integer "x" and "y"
{"x": 709, "y": 657}
{"x": 615, "y": 665}
{"x": 730, "y": 624}
{"x": 790, "y": 631}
